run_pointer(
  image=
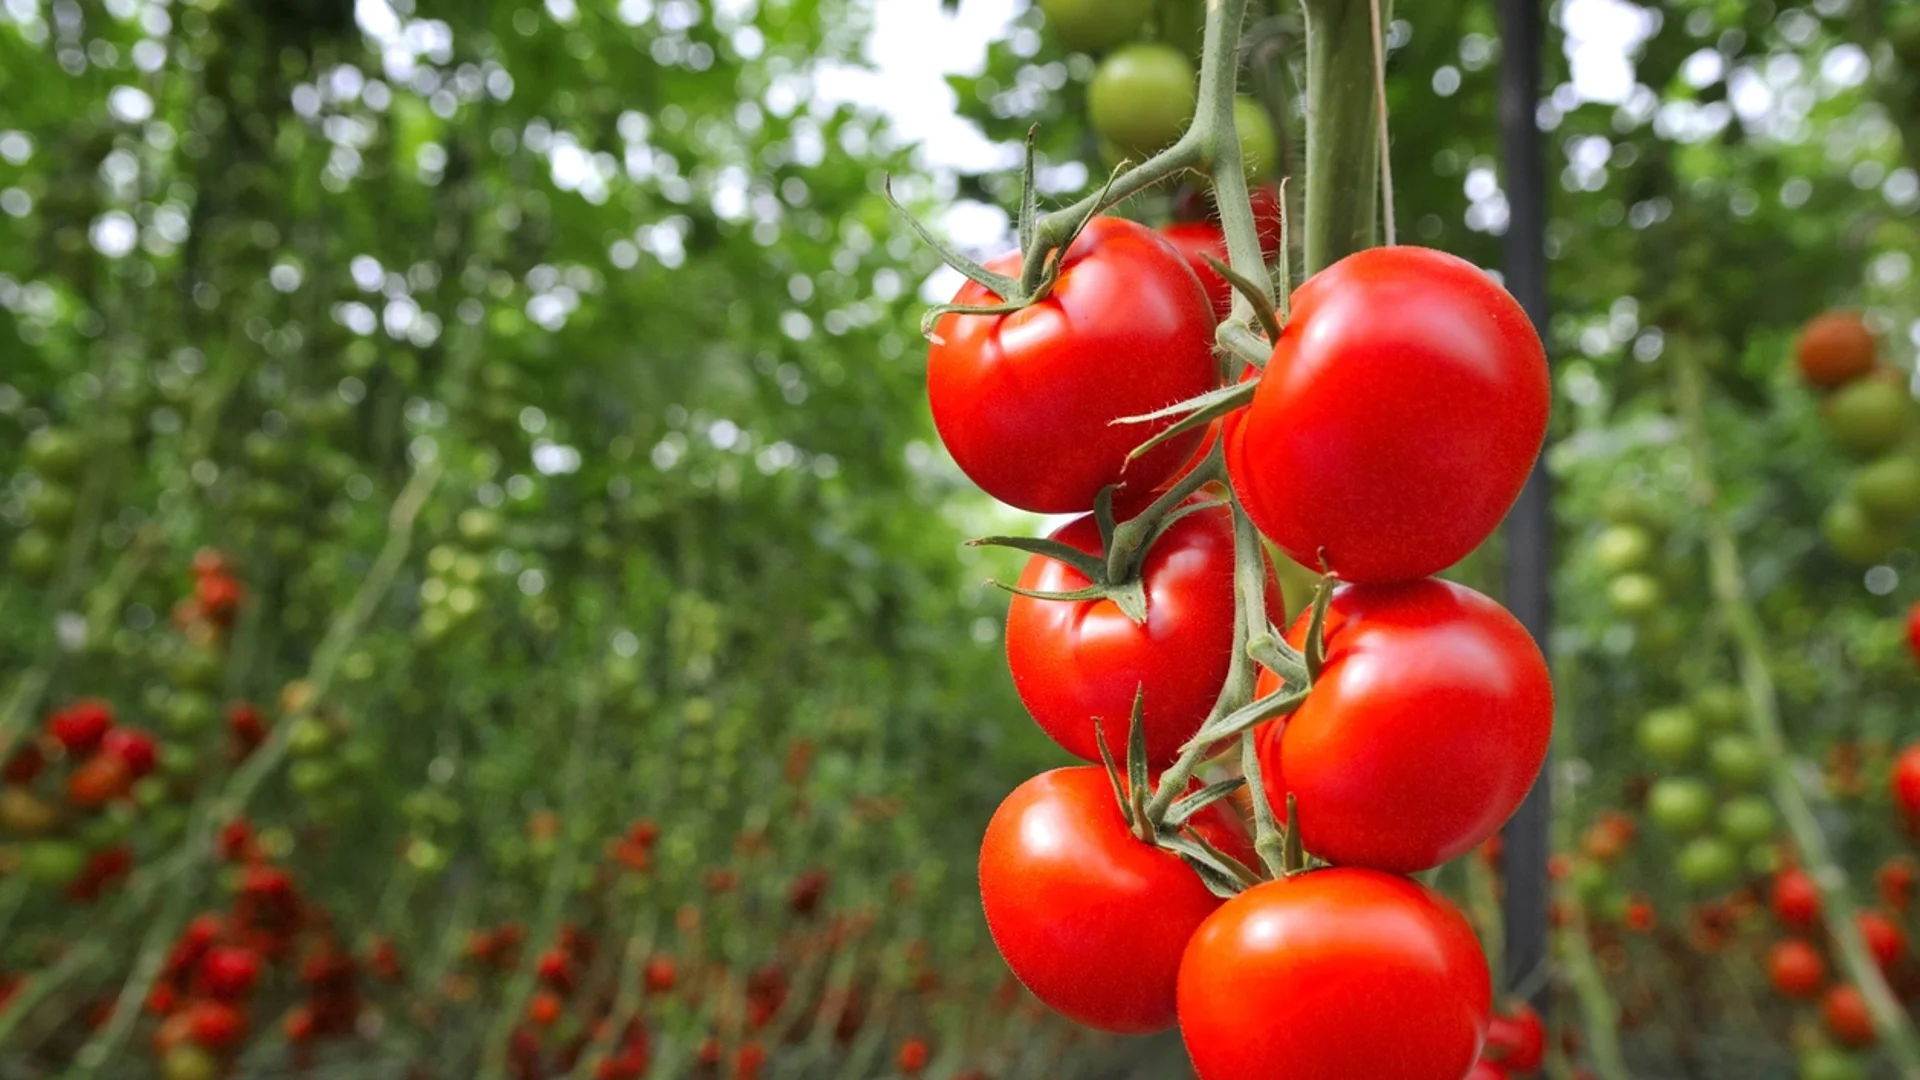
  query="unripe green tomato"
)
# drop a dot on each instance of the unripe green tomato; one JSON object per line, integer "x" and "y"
{"x": 1720, "y": 705}
{"x": 434, "y": 623}
{"x": 1142, "y": 98}
{"x": 178, "y": 760}
{"x": 1706, "y": 862}
{"x": 359, "y": 755}
{"x": 56, "y": 452}
{"x": 1888, "y": 489}
{"x": 310, "y": 776}
{"x": 189, "y": 712}
{"x": 1855, "y": 536}
{"x": 1590, "y": 880}
{"x": 1259, "y": 145}
{"x": 1620, "y": 548}
{"x": 1626, "y": 506}
{"x": 35, "y": 555}
{"x": 52, "y": 506}
{"x": 1096, "y": 25}
{"x": 186, "y": 1061}
{"x": 1828, "y": 1063}
{"x": 1680, "y": 804}
{"x": 108, "y": 827}
{"x": 149, "y": 792}
{"x": 267, "y": 455}
{"x": 1669, "y": 735}
{"x": 195, "y": 667}
{"x": 52, "y": 862}
{"x": 469, "y": 569}
{"x": 1764, "y": 859}
{"x": 479, "y": 525}
{"x": 1635, "y": 594}
{"x": 308, "y": 737}
{"x": 1747, "y": 820}
{"x": 1737, "y": 760}
{"x": 1868, "y": 416}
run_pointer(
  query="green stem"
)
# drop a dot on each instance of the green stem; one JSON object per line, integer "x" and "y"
{"x": 1763, "y": 721}
{"x": 1342, "y": 131}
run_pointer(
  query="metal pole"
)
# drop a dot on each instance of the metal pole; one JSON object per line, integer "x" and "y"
{"x": 1529, "y": 529}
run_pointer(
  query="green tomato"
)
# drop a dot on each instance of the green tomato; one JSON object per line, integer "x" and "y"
{"x": 309, "y": 736}
{"x": 195, "y": 667}
{"x": 1855, "y": 536}
{"x": 149, "y": 792}
{"x": 1259, "y": 145}
{"x": 1680, "y": 804}
{"x": 52, "y": 862}
{"x": 35, "y": 555}
{"x": 1828, "y": 1063}
{"x": 1720, "y": 705}
{"x": 1888, "y": 489}
{"x": 1635, "y": 594}
{"x": 189, "y": 1062}
{"x": 1737, "y": 760}
{"x": 1096, "y": 25}
{"x": 189, "y": 712}
{"x": 1591, "y": 881}
{"x": 1706, "y": 862}
{"x": 479, "y": 524}
{"x": 56, "y": 452}
{"x": 1868, "y": 416}
{"x": 311, "y": 776}
{"x": 1747, "y": 820}
{"x": 178, "y": 760}
{"x": 52, "y": 506}
{"x": 1626, "y": 506}
{"x": 1142, "y": 98}
{"x": 1764, "y": 859}
{"x": 1670, "y": 735}
{"x": 1620, "y": 548}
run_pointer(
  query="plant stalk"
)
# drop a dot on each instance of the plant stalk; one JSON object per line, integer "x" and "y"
{"x": 1342, "y": 131}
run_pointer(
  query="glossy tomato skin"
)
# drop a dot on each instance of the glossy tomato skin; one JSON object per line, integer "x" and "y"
{"x": 1795, "y": 899}
{"x": 1195, "y": 240}
{"x": 1397, "y": 419}
{"x": 1913, "y": 631}
{"x": 1906, "y": 782}
{"x": 1077, "y": 660}
{"x": 1796, "y": 969}
{"x": 1091, "y": 919}
{"x": 1334, "y": 975}
{"x": 1024, "y": 402}
{"x": 1517, "y": 1040}
{"x": 1425, "y": 731}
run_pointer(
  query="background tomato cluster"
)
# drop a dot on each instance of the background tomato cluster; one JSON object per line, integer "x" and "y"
{"x": 483, "y": 595}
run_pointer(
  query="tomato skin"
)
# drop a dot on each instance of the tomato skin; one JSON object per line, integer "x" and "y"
{"x": 1906, "y": 780}
{"x": 1332, "y": 975}
{"x": 1398, "y": 418}
{"x": 1845, "y": 1011}
{"x": 1195, "y": 240}
{"x": 1885, "y": 940}
{"x": 98, "y": 781}
{"x": 1834, "y": 348}
{"x": 1795, "y": 899}
{"x": 1073, "y": 661}
{"x": 1796, "y": 969}
{"x": 1096, "y": 25}
{"x": 1090, "y": 919}
{"x": 1913, "y": 639}
{"x": 1405, "y": 773}
{"x": 1517, "y": 1040}
{"x": 1024, "y": 402}
{"x": 1487, "y": 1070}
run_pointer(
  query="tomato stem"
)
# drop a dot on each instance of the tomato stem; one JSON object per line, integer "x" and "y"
{"x": 1341, "y": 124}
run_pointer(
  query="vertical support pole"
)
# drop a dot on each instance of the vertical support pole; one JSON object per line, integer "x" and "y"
{"x": 1529, "y": 528}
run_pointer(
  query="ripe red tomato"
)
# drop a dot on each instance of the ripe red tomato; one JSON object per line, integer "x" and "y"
{"x": 1796, "y": 969}
{"x": 1077, "y": 660}
{"x": 80, "y": 726}
{"x": 1487, "y": 1070}
{"x": 1195, "y": 240}
{"x": 1025, "y": 402}
{"x": 1397, "y": 419}
{"x": 1333, "y": 975}
{"x": 1845, "y": 1011}
{"x": 1896, "y": 879}
{"x": 1906, "y": 782}
{"x": 1427, "y": 727}
{"x": 1834, "y": 348}
{"x": 1795, "y": 899}
{"x": 133, "y": 747}
{"x": 99, "y": 780}
{"x": 1913, "y": 631}
{"x": 1884, "y": 938}
{"x": 1090, "y": 918}
{"x": 215, "y": 1025}
{"x": 229, "y": 971}
{"x": 1517, "y": 1040}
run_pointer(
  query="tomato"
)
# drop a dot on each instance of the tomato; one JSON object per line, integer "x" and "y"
{"x": 1090, "y": 918}
{"x": 1669, "y": 735}
{"x": 1913, "y": 636}
{"x": 98, "y": 781}
{"x": 1720, "y": 705}
{"x": 1397, "y": 419}
{"x": 1195, "y": 240}
{"x": 80, "y": 726}
{"x": 188, "y": 1063}
{"x": 1834, "y": 348}
{"x": 1826, "y": 1063}
{"x": 1906, "y": 780}
{"x": 1737, "y": 760}
{"x": 1517, "y": 1039}
{"x": 1845, "y": 1011}
{"x": 1888, "y": 489}
{"x": 1025, "y": 402}
{"x": 913, "y": 1055}
{"x": 1635, "y": 594}
{"x": 1096, "y": 25}
{"x": 1868, "y": 416}
{"x": 56, "y": 452}
{"x": 1075, "y": 661}
{"x": 215, "y": 1025}
{"x": 1795, "y": 899}
{"x": 1622, "y": 547}
{"x": 1680, "y": 804}
{"x": 1405, "y": 772}
{"x": 1747, "y": 819}
{"x": 1796, "y": 969}
{"x": 229, "y": 971}
{"x": 1487, "y": 1070}
{"x": 134, "y": 747}
{"x": 1896, "y": 880}
{"x": 1141, "y": 98}
{"x": 1855, "y": 536}
{"x": 1333, "y": 975}
{"x": 1259, "y": 145}
{"x": 1706, "y": 862}
{"x": 1885, "y": 940}
{"x": 545, "y": 1008}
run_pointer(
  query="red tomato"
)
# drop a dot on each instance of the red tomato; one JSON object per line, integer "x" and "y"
{"x": 913, "y": 1056}
{"x": 215, "y": 1025}
{"x": 80, "y": 726}
{"x": 1906, "y": 782}
{"x": 545, "y": 1008}
{"x": 1487, "y": 1070}
{"x": 1025, "y": 402}
{"x": 1195, "y": 240}
{"x": 1913, "y": 630}
{"x": 1429, "y": 722}
{"x": 1090, "y": 918}
{"x": 132, "y": 746}
{"x": 1334, "y": 975}
{"x": 1075, "y": 661}
{"x": 1884, "y": 938}
{"x": 229, "y": 971}
{"x": 98, "y": 781}
{"x": 1896, "y": 879}
{"x": 1517, "y": 1039}
{"x": 1796, "y": 969}
{"x": 1398, "y": 418}
{"x": 1845, "y": 1011}
{"x": 1835, "y": 347}
{"x": 1796, "y": 899}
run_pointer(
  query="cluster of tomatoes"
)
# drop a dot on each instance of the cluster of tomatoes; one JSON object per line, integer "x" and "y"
{"x": 1719, "y": 824}
{"x": 72, "y": 795}
{"x": 1394, "y": 726}
{"x": 1868, "y": 411}
{"x": 55, "y": 458}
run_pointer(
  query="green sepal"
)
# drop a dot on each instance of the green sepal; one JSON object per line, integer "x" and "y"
{"x": 1316, "y": 650}
{"x": 1259, "y": 711}
{"x": 1294, "y": 859}
{"x": 1137, "y": 781}
{"x": 1091, "y": 566}
{"x": 1113, "y": 777}
{"x": 1269, "y": 840}
{"x": 1189, "y": 805}
{"x": 1260, "y": 298}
